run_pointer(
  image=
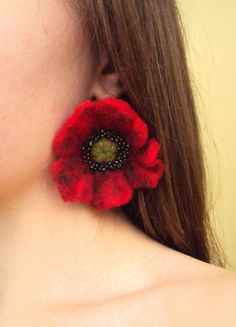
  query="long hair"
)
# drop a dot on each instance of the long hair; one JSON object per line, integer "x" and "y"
{"x": 144, "y": 40}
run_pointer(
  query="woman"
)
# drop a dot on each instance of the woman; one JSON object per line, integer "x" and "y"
{"x": 153, "y": 261}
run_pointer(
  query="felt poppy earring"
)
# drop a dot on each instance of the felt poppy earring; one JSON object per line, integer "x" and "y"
{"x": 104, "y": 154}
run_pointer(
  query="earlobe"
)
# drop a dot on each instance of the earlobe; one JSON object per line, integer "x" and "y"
{"x": 107, "y": 85}
{"x": 107, "y": 82}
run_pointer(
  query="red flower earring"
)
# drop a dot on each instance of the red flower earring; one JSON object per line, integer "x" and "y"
{"x": 103, "y": 154}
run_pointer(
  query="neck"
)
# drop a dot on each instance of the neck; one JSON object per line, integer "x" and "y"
{"x": 48, "y": 247}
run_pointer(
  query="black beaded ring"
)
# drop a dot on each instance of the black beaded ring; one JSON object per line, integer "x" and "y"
{"x": 104, "y": 150}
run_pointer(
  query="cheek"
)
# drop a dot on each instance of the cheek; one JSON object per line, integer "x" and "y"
{"x": 43, "y": 75}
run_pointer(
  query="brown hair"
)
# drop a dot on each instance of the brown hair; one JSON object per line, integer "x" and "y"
{"x": 145, "y": 43}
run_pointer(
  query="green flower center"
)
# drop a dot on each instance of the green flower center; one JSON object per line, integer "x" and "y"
{"x": 104, "y": 150}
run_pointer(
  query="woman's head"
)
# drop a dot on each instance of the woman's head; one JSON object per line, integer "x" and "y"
{"x": 57, "y": 54}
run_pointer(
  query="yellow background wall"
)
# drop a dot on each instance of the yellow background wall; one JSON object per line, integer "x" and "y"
{"x": 211, "y": 37}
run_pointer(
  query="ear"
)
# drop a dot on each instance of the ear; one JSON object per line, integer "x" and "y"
{"x": 106, "y": 82}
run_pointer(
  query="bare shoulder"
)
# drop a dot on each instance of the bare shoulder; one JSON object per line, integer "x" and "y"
{"x": 186, "y": 292}
{"x": 206, "y": 300}
{"x": 196, "y": 294}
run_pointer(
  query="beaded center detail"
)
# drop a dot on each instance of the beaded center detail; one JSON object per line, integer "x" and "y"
{"x": 104, "y": 150}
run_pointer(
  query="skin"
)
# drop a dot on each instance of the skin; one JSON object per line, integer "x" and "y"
{"x": 64, "y": 264}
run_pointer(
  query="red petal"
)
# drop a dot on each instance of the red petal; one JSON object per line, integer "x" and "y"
{"x": 89, "y": 116}
{"x": 139, "y": 176}
{"x": 117, "y": 114}
{"x": 110, "y": 190}
{"x": 73, "y": 180}
{"x": 139, "y": 132}
{"x": 84, "y": 188}
{"x": 76, "y": 129}
{"x": 147, "y": 156}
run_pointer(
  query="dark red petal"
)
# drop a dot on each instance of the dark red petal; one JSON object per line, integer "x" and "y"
{"x": 141, "y": 177}
{"x": 110, "y": 190}
{"x": 73, "y": 180}
{"x": 147, "y": 156}
{"x": 84, "y": 189}
{"x": 66, "y": 142}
